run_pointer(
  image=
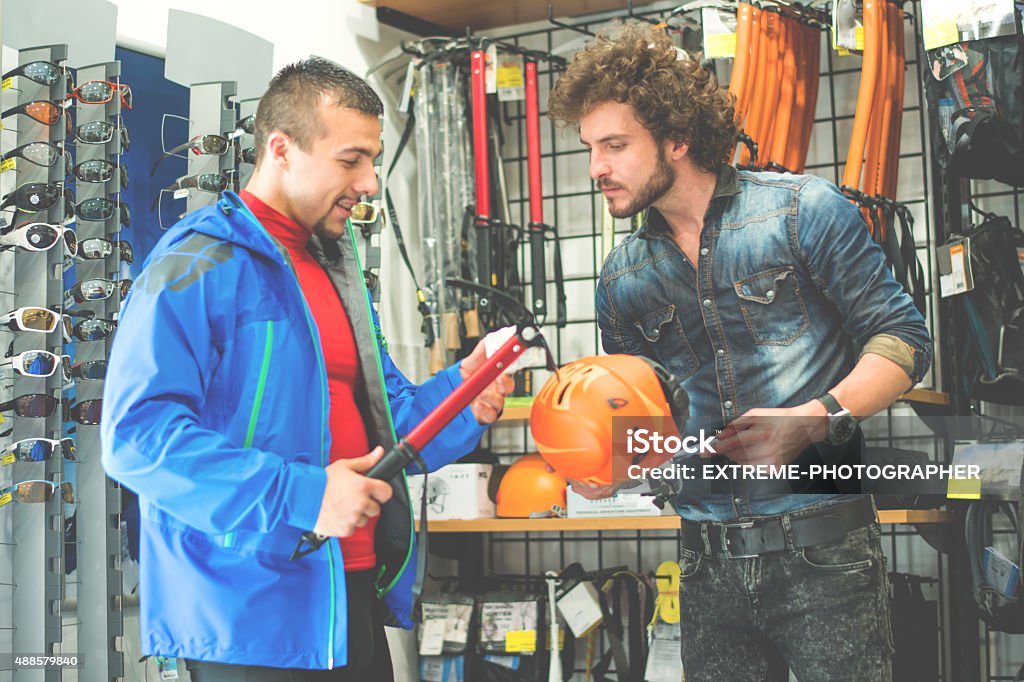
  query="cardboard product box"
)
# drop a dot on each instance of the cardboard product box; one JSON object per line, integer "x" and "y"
{"x": 620, "y": 504}
{"x": 456, "y": 491}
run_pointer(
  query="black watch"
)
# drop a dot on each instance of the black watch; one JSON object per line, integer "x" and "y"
{"x": 841, "y": 423}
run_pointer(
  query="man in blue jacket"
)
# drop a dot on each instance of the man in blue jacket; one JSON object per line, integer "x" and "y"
{"x": 247, "y": 383}
{"x": 765, "y": 295}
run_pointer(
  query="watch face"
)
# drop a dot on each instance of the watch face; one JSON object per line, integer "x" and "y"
{"x": 841, "y": 429}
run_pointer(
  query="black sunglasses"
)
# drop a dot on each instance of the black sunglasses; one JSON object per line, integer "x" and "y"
{"x": 102, "y": 132}
{"x": 33, "y": 197}
{"x": 39, "y": 153}
{"x": 94, "y": 329}
{"x": 43, "y": 73}
{"x": 102, "y": 208}
{"x": 215, "y": 145}
{"x": 96, "y": 248}
{"x": 91, "y": 370}
{"x": 95, "y": 289}
{"x": 87, "y": 412}
{"x": 100, "y": 170}
{"x": 31, "y": 405}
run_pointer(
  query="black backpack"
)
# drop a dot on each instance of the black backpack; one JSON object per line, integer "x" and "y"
{"x": 995, "y": 608}
{"x": 994, "y": 313}
{"x": 977, "y": 113}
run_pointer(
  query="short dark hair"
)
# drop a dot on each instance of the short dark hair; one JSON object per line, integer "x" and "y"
{"x": 674, "y": 98}
{"x": 291, "y": 101}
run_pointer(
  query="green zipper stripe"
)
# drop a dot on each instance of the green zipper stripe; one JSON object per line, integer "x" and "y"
{"x": 261, "y": 386}
{"x": 391, "y": 425}
{"x": 254, "y": 415}
{"x": 323, "y": 412}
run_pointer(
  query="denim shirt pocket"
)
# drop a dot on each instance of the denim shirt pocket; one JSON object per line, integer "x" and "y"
{"x": 663, "y": 332}
{"x": 772, "y": 306}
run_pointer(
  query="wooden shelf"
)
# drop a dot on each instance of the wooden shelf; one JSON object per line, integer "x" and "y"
{"x": 924, "y": 395}
{"x": 888, "y": 516}
{"x": 457, "y": 15}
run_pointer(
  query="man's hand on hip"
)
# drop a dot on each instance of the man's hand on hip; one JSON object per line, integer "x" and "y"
{"x": 351, "y": 499}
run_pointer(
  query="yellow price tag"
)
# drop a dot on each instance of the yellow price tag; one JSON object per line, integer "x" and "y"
{"x": 8, "y": 82}
{"x": 8, "y": 164}
{"x": 964, "y": 489}
{"x": 943, "y": 33}
{"x": 509, "y": 77}
{"x": 720, "y": 45}
{"x": 5, "y": 498}
{"x": 858, "y": 38}
{"x": 7, "y": 459}
{"x": 521, "y": 641}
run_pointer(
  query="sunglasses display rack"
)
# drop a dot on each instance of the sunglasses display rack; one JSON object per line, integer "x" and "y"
{"x": 31, "y": 534}
{"x": 369, "y": 255}
{"x": 99, "y": 540}
{"x": 211, "y": 111}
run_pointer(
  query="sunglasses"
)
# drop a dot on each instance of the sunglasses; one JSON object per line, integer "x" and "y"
{"x": 102, "y": 132}
{"x": 248, "y": 155}
{"x": 41, "y": 111}
{"x": 43, "y": 73}
{"x": 87, "y": 412}
{"x": 100, "y": 170}
{"x": 101, "y": 92}
{"x": 39, "y": 237}
{"x": 93, "y": 329}
{"x": 30, "y": 319}
{"x": 91, "y": 370}
{"x": 364, "y": 213}
{"x": 96, "y": 248}
{"x": 38, "y": 450}
{"x": 39, "y": 153}
{"x": 35, "y": 492}
{"x": 102, "y": 208}
{"x": 215, "y": 145}
{"x": 36, "y": 363}
{"x": 248, "y": 124}
{"x": 204, "y": 182}
{"x": 31, "y": 405}
{"x": 94, "y": 289}
{"x": 34, "y": 197}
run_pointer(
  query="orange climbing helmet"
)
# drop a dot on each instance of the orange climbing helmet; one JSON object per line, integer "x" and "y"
{"x": 528, "y": 488}
{"x": 571, "y": 419}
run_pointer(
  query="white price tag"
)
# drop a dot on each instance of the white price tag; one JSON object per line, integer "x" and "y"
{"x": 432, "y": 643}
{"x": 181, "y": 193}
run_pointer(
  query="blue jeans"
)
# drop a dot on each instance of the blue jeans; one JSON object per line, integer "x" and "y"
{"x": 822, "y": 611}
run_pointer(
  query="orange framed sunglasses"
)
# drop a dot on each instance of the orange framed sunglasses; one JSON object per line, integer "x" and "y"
{"x": 101, "y": 92}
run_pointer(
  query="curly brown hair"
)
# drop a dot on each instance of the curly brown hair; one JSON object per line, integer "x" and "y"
{"x": 675, "y": 99}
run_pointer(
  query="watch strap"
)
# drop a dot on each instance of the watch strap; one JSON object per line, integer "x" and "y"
{"x": 831, "y": 404}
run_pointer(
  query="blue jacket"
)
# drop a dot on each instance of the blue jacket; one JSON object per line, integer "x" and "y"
{"x": 788, "y": 291}
{"x": 215, "y": 412}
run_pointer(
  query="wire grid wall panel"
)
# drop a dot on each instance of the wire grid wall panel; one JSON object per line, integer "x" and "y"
{"x": 1001, "y": 654}
{"x": 572, "y": 205}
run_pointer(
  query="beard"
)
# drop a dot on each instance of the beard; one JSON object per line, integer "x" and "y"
{"x": 655, "y": 188}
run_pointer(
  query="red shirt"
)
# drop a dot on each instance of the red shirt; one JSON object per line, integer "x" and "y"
{"x": 348, "y": 433}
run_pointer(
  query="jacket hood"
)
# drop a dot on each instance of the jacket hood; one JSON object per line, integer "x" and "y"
{"x": 231, "y": 220}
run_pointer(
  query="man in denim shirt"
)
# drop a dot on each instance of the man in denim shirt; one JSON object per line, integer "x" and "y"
{"x": 766, "y": 296}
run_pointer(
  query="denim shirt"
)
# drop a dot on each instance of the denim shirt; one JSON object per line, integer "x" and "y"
{"x": 788, "y": 288}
